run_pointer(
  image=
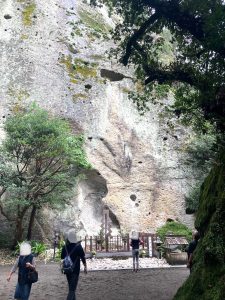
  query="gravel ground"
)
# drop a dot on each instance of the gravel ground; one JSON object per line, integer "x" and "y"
{"x": 159, "y": 283}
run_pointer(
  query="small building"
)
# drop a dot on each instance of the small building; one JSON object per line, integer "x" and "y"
{"x": 175, "y": 249}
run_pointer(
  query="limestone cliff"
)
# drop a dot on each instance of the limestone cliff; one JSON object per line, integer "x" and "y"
{"x": 55, "y": 53}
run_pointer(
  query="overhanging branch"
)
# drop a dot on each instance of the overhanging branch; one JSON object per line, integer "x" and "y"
{"x": 136, "y": 36}
{"x": 169, "y": 76}
{"x": 172, "y": 12}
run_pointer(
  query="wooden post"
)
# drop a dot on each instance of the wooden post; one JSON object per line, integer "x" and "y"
{"x": 128, "y": 243}
{"x": 90, "y": 243}
{"x": 106, "y": 243}
{"x": 96, "y": 244}
{"x": 148, "y": 243}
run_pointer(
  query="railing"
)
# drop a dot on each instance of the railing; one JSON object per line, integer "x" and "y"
{"x": 117, "y": 243}
{"x": 106, "y": 244}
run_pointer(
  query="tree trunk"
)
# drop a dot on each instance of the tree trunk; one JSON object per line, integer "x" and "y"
{"x": 31, "y": 223}
{"x": 18, "y": 236}
{"x": 18, "y": 231}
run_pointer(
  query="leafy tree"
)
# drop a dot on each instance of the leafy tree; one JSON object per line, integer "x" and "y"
{"x": 201, "y": 153}
{"x": 196, "y": 69}
{"x": 196, "y": 75}
{"x": 40, "y": 159}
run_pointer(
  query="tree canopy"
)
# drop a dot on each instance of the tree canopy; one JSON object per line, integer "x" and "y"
{"x": 196, "y": 75}
{"x": 197, "y": 68}
{"x": 40, "y": 159}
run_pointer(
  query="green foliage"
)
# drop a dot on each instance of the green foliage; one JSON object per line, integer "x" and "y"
{"x": 202, "y": 150}
{"x": 192, "y": 199}
{"x": 37, "y": 247}
{"x": 144, "y": 95}
{"x": 179, "y": 43}
{"x": 95, "y": 22}
{"x": 207, "y": 281}
{"x": 172, "y": 227}
{"x": 59, "y": 250}
{"x": 40, "y": 160}
{"x": 196, "y": 75}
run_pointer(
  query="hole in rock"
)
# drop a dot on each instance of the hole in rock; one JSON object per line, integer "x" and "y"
{"x": 7, "y": 17}
{"x": 133, "y": 197}
{"x": 169, "y": 220}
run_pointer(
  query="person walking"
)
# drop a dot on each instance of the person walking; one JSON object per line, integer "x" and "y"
{"x": 191, "y": 248}
{"x": 74, "y": 249}
{"x": 24, "y": 263}
{"x": 135, "y": 243}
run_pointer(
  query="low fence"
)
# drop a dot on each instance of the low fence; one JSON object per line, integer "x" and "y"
{"x": 118, "y": 244}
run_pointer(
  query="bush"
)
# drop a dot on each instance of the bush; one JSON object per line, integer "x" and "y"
{"x": 37, "y": 248}
{"x": 175, "y": 228}
{"x": 59, "y": 250}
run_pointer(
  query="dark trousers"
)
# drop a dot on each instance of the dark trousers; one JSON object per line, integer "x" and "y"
{"x": 72, "y": 283}
{"x": 22, "y": 291}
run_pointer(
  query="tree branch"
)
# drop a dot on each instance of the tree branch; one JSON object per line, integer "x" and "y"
{"x": 49, "y": 191}
{"x": 169, "y": 76}
{"x": 176, "y": 73}
{"x": 171, "y": 11}
{"x": 136, "y": 36}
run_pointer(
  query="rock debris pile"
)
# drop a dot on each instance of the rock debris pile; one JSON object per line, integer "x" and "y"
{"x": 115, "y": 264}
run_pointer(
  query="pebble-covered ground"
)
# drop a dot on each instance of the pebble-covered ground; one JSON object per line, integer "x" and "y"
{"x": 113, "y": 264}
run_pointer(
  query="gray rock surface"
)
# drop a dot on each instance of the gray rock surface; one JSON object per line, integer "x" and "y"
{"x": 54, "y": 53}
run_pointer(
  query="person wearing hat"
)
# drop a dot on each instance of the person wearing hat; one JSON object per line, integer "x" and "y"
{"x": 24, "y": 263}
{"x": 135, "y": 243}
{"x": 74, "y": 248}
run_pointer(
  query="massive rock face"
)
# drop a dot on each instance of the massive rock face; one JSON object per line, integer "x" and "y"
{"x": 54, "y": 53}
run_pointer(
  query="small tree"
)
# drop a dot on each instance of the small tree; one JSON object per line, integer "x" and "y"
{"x": 40, "y": 160}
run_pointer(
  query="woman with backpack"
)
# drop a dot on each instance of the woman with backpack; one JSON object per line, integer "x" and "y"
{"x": 25, "y": 263}
{"x": 74, "y": 251}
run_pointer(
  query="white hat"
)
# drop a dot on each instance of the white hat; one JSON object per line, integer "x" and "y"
{"x": 25, "y": 249}
{"x": 72, "y": 236}
{"x": 134, "y": 235}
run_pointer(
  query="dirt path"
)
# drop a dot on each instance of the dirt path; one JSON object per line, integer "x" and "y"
{"x": 148, "y": 284}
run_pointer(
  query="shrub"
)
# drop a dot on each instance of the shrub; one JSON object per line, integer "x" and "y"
{"x": 174, "y": 228}
{"x": 37, "y": 248}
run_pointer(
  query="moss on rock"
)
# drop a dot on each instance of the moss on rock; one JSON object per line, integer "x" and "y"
{"x": 27, "y": 14}
{"x": 207, "y": 280}
{"x": 79, "y": 96}
{"x": 78, "y": 68}
{"x": 94, "y": 21}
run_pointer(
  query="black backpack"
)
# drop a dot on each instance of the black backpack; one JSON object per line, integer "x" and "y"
{"x": 67, "y": 265}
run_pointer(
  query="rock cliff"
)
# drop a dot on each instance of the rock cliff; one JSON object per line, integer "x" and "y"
{"x": 55, "y": 53}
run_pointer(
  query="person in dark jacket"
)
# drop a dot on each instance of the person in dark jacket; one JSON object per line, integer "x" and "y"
{"x": 73, "y": 246}
{"x": 24, "y": 263}
{"x": 135, "y": 243}
{"x": 191, "y": 248}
